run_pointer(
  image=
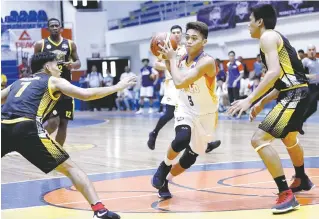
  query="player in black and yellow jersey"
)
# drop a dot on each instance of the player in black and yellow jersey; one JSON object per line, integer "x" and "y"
{"x": 286, "y": 76}
{"x": 27, "y": 101}
{"x": 68, "y": 59}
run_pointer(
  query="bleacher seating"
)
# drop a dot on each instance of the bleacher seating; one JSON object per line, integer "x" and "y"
{"x": 153, "y": 11}
{"x": 25, "y": 20}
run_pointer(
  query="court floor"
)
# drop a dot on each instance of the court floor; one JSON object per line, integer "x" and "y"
{"x": 230, "y": 182}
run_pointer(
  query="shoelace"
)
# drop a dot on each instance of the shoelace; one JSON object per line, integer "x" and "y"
{"x": 282, "y": 197}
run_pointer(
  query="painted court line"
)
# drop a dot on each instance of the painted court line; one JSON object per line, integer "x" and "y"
{"x": 125, "y": 171}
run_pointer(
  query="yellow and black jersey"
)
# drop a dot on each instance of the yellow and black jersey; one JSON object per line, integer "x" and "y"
{"x": 63, "y": 50}
{"x": 30, "y": 98}
{"x": 292, "y": 72}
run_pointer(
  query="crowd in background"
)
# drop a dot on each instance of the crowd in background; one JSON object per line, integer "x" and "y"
{"x": 234, "y": 81}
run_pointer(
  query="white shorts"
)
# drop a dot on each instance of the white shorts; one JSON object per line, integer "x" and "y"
{"x": 202, "y": 128}
{"x": 147, "y": 91}
{"x": 170, "y": 93}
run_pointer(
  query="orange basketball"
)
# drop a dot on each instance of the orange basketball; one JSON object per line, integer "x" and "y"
{"x": 159, "y": 39}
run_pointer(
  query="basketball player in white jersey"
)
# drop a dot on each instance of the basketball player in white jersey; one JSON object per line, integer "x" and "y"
{"x": 197, "y": 105}
{"x": 170, "y": 92}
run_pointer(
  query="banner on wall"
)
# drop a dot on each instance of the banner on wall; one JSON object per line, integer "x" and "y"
{"x": 19, "y": 42}
{"x": 288, "y": 8}
{"x": 218, "y": 17}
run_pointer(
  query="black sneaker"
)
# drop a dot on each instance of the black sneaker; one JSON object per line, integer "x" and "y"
{"x": 151, "y": 140}
{"x": 164, "y": 192}
{"x": 301, "y": 184}
{"x": 105, "y": 214}
{"x": 212, "y": 145}
{"x": 159, "y": 177}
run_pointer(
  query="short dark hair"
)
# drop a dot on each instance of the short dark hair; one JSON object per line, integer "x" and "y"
{"x": 266, "y": 12}
{"x": 301, "y": 51}
{"x": 53, "y": 19}
{"x": 258, "y": 55}
{"x": 231, "y": 52}
{"x": 199, "y": 26}
{"x": 146, "y": 60}
{"x": 38, "y": 60}
{"x": 176, "y": 27}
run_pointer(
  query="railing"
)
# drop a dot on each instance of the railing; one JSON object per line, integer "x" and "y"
{"x": 158, "y": 11}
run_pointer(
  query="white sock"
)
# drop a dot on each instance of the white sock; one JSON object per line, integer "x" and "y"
{"x": 168, "y": 162}
{"x": 170, "y": 177}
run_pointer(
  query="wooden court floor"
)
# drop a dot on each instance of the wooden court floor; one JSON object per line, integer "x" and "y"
{"x": 230, "y": 182}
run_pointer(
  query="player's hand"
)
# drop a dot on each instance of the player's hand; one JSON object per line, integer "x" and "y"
{"x": 69, "y": 65}
{"x": 255, "y": 110}
{"x": 239, "y": 106}
{"x": 127, "y": 82}
{"x": 167, "y": 50}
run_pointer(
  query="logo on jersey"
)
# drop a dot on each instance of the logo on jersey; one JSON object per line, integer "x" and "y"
{"x": 49, "y": 46}
{"x": 60, "y": 55}
{"x": 65, "y": 46}
{"x": 192, "y": 88}
{"x": 242, "y": 9}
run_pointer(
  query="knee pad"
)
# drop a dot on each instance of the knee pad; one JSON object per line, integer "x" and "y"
{"x": 182, "y": 138}
{"x": 188, "y": 159}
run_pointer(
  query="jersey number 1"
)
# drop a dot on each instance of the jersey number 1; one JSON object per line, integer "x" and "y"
{"x": 24, "y": 86}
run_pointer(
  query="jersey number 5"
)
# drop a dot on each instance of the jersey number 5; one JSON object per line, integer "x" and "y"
{"x": 190, "y": 101}
{"x": 24, "y": 86}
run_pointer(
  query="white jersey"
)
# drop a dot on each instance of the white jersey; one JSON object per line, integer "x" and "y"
{"x": 200, "y": 97}
{"x": 170, "y": 92}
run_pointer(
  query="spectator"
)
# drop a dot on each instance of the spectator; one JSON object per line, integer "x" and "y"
{"x": 127, "y": 95}
{"x": 235, "y": 72}
{"x": 24, "y": 69}
{"x": 221, "y": 91}
{"x": 108, "y": 81}
{"x": 301, "y": 54}
{"x": 94, "y": 79}
{"x": 4, "y": 81}
{"x": 221, "y": 76}
{"x": 83, "y": 84}
{"x": 258, "y": 66}
{"x": 149, "y": 75}
{"x": 311, "y": 63}
{"x": 246, "y": 71}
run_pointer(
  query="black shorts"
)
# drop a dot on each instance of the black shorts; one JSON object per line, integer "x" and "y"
{"x": 31, "y": 140}
{"x": 287, "y": 116}
{"x": 64, "y": 108}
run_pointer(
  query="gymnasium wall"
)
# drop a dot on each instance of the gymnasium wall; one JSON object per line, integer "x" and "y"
{"x": 120, "y": 9}
{"x": 52, "y": 8}
{"x": 300, "y": 29}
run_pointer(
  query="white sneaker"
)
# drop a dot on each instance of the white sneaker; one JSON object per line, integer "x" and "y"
{"x": 150, "y": 111}
{"x": 140, "y": 111}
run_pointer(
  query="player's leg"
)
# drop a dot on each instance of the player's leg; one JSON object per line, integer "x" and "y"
{"x": 295, "y": 150}
{"x": 150, "y": 95}
{"x": 141, "y": 103}
{"x": 169, "y": 114}
{"x": 311, "y": 105}
{"x": 181, "y": 141}
{"x": 230, "y": 94}
{"x": 52, "y": 124}
{"x": 7, "y": 141}
{"x": 62, "y": 130}
{"x": 47, "y": 155}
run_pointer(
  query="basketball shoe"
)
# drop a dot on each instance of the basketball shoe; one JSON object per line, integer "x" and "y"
{"x": 159, "y": 177}
{"x": 286, "y": 201}
{"x": 301, "y": 184}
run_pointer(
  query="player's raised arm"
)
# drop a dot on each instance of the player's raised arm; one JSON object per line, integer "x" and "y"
{"x": 182, "y": 79}
{"x": 268, "y": 44}
{"x": 62, "y": 85}
{"x": 4, "y": 94}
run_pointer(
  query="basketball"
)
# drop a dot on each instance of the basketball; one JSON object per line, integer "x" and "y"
{"x": 159, "y": 39}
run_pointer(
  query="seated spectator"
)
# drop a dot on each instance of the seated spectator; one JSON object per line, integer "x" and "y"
{"x": 258, "y": 66}
{"x": 124, "y": 97}
{"x": 4, "y": 81}
{"x": 94, "y": 79}
{"x": 110, "y": 99}
{"x": 83, "y": 84}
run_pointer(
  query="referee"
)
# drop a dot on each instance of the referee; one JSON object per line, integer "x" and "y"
{"x": 311, "y": 64}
